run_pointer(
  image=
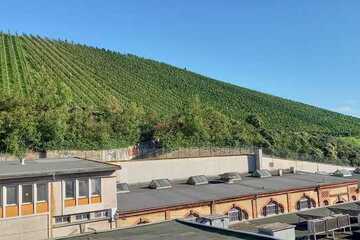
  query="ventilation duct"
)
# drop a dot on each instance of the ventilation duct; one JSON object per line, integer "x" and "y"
{"x": 198, "y": 180}
{"x": 230, "y": 177}
{"x": 261, "y": 174}
{"x": 160, "y": 184}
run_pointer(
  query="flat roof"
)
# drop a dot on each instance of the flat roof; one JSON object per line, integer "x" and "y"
{"x": 51, "y": 167}
{"x": 169, "y": 231}
{"x": 301, "y": 231}
{"x": 141, "y": 198}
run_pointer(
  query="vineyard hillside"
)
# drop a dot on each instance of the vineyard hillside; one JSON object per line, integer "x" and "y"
{"x": 94, "y": 74}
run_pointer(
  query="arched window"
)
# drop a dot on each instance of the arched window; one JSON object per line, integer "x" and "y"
{"x": 305, "y": 203}
{"x": 237, "y": 214}
{"x": 326, "y": 203}
{"x": 272, "y": 208}
{"x": 353, "y": 198}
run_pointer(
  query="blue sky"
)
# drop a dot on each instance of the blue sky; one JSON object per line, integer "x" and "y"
{"x": 307, "y": 50}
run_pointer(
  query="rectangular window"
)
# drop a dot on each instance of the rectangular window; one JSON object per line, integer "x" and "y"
{"x": 82, "y": 217}
{"x": 62, "y": 219}
{"x": 70, "y": 189}
{"x": 11, "y": 195}
{"x": 27, "y": 193}
{"x": 101, "y": 214}
{"x": 95, "y": 186}
{"x": 42, "y": 192}
{"x": 84, "y": 188}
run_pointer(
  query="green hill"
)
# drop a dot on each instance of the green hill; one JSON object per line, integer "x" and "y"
{"x": 95, "y": 75}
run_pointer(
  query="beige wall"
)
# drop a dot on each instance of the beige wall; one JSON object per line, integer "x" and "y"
{"x": 277, "y": 163}
{"x": 76, "y": 229}
{"x": 108, "y": 198}
{"x": 146, "y": 170}
{"x": 24, "y": 228}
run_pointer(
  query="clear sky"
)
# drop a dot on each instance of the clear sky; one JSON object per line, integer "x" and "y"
{"x": 307, "y": 50}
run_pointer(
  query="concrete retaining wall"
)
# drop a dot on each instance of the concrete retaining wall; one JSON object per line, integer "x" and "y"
{"x": 146, "y": 170}
{"x": 271, "y": 163}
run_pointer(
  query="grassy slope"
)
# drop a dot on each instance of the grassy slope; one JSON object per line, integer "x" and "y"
{"x": 95, "y": 74}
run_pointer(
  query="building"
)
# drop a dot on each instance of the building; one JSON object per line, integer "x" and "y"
{"x": 249, "y": 198}
{"x": 45, "y": 198}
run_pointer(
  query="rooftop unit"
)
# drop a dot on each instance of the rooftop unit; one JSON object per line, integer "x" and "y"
{"x": 198, "y": 180}
{"x": 316, "y": 226}
{"x": 261, "y": 174}
{"x": 122, "y": 188}
{"x": 343, "y": 221}
{"x": 342, "y": 173}
{"x": 230, "y": 177}
{"x": 279, "y": 230}
{"x": 160, "y": 184}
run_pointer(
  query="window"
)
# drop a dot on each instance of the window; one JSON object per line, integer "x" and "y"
{"x": 62, "y": 219}
{"x": 101, "y": 214}
{"x": 84, "y": 188}
{"x": 272, "y": 208}
{"x": 27, "y": 193}
{"x": 70, "y": 189}
{"x": 236, "y": 214}
{"x": 11, "y": 195}
{"x": 326, "y": 203}
{"x": 42, "y": 192}
{"x": 353, "y": 198}
{"x": 82, "y": 216}
{"x": 95, "y": 186}
{"x": 305, "y": 203}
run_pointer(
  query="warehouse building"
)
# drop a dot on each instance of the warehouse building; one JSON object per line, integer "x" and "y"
{"x": 239, "y": 197}
{"x": 41, "y": 199}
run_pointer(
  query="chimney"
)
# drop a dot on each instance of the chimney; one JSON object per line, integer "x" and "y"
{"x": 258, "y": 159}
{"x": 22, "y": 161}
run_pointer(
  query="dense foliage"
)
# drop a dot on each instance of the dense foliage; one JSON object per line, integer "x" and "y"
{"x": 56, "y": 94}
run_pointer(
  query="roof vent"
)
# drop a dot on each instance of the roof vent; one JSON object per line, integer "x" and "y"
{"x": 160, "y": 184}
{"x": 261, "y": 174}
{"x": 230, "y": 177}
{"x": 122, "y": 188}
{"x": 198, "y": 180}
{"x": 342, "y": 173}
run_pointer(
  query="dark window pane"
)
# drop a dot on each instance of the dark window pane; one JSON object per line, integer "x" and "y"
{"x": 70, "y": 189}
{"x": 83, "y": 188}
{"x": 42, "y": 192}
{"x": 95, "y": 186}
{"x": 27, "y": 193}
{"x": 11, "y": 195}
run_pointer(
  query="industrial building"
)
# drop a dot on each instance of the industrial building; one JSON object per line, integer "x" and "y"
{"x": 252, "y": 196}
{"x": 42, "y": 199}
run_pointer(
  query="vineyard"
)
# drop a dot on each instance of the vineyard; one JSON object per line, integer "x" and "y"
{"x": 95, "y": 75}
